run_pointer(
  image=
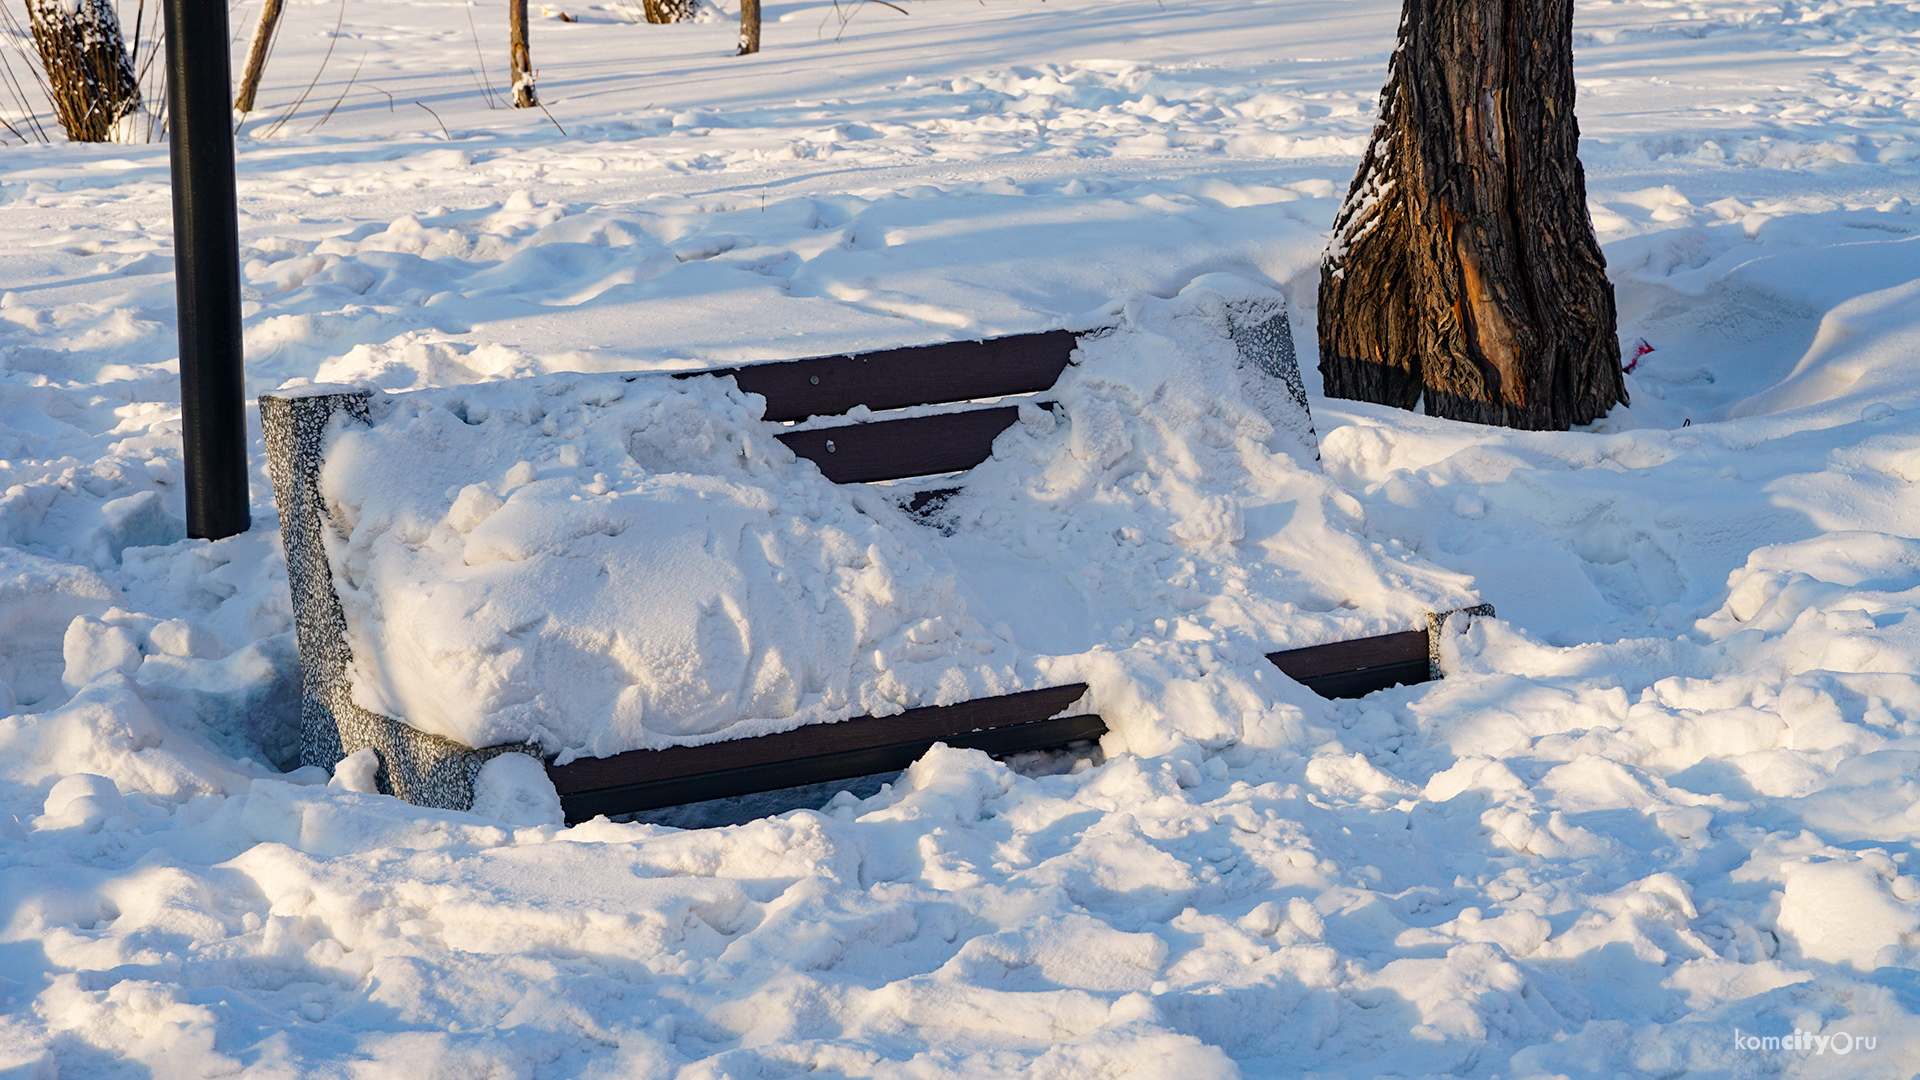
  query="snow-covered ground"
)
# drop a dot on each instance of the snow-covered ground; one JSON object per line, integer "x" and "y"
{"x": 1665, "y": 805}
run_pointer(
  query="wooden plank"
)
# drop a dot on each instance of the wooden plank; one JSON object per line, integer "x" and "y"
{"x": 1359, "y": 667}
{"x": 1340, "y": 656}
{"x": 722, "y": 782}
{"x": 819, "y": 753}
{"x": 897, "y": 378}
{"x": 930, "y": 723}
{"x": 897, "y": 449}
{"x": 1352, "y": 684}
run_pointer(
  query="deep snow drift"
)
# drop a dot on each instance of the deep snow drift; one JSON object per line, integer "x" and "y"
{"x": 1662, "y": 809}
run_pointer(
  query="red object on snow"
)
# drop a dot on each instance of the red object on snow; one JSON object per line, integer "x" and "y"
{"x": 1639, "y": 350}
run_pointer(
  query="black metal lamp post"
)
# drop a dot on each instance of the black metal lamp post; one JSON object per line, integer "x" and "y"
{"x": 206, "y": 248}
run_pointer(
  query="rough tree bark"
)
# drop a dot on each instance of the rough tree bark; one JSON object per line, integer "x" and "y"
{"x": 749, "y": 27}
{"x": 90, "y": 76}
{"x": 263, "y": 33}
{"x": 1463, "y": 266}
{"x": 521, "y": 62}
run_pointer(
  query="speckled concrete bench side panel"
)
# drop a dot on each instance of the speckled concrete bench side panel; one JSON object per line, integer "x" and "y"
{"x": 423, "y": 769}
{"x": 1438, "y": 626}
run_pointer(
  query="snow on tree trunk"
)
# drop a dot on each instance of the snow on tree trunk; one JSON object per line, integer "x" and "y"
{"x": 263, "y": 33}
{"x": 749, "y": 27}
{"x": 1463, "y": 265}
{"x": 522, "y": 61}
{"x": 90, "y": 77}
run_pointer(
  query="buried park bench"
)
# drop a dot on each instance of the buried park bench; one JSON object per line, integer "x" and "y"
{"x": 432, "y": 770}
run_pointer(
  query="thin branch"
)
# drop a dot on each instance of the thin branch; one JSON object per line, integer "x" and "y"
{"x": 486, "y": 80}
{"x": 371, "y": 86}
{"x": 14, "y": 88}
{"x": 328, "y": 55}
{"x": 343, "y": 95}
{"x": 437, "y": 120}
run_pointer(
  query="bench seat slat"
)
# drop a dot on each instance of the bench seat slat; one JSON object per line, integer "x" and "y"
{"x": 898, "y": 378}
{"x": 728, "y": 778}
{"x": 1353, "y": 684}
{"x": 898, "y": 449}
{"x": 932, "y": 722}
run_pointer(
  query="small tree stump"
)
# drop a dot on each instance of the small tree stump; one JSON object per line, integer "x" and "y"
{"x": 1463, "y": 265}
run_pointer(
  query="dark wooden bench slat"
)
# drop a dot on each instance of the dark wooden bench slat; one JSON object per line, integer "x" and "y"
{"x": 818, "y": 753}
{"x": 897, "y": 378}
{"x": 1340, "y": 656}
{"x": 1358, "y": 668}
{"x": 897, "y": 449}
{"x": 932, "y": 722}
{"x": 1352, "y": 684}
{"x": 726, "y": 782}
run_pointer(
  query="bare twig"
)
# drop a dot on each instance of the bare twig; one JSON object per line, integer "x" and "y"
{"x": 437, "y": 120}
{"x": 370, "y": 86}
{"x": 343, "y": 95}
{"x": 150, "y": 76}
{"x": 302, "y": 100}
{"x": 556, "y": 123}
{"x": 15, "y": 37}
{"x": 486, "y": 80}
{"x": 846, "y": 14}
{"x": 12, "y": 82}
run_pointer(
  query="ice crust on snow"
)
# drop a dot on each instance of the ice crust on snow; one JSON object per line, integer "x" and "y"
{"x": 604, "y": 563}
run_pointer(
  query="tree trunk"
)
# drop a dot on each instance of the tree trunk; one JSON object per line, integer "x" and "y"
{"x": 668, "y": 11}
{"x": 522, "y": 61}
{"x": 749, "y": 27}
{"x": 90, "y": 77}
{"x": 263, "y": 34}
{"x": 1463, "y": 265}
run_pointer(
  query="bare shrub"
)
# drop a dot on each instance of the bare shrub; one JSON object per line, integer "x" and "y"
{"x": 669, "y": 11}
{"x": 90, "y": 76}
{"x": 75, "y": 64}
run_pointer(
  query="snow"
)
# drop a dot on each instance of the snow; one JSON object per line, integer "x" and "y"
{"x": 1660, "y": 811}
{"x": 602, "y": 564}
{"x": 658, "y": 566}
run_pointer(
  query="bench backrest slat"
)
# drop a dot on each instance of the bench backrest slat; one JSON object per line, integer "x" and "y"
{"x": 897, "y": 449}
{"x": 1316, "y": 661}
{"x": 897, "y": 378}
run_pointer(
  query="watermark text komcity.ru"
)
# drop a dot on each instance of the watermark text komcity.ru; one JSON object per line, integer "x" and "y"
{"x": 1805, "y": 1042}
